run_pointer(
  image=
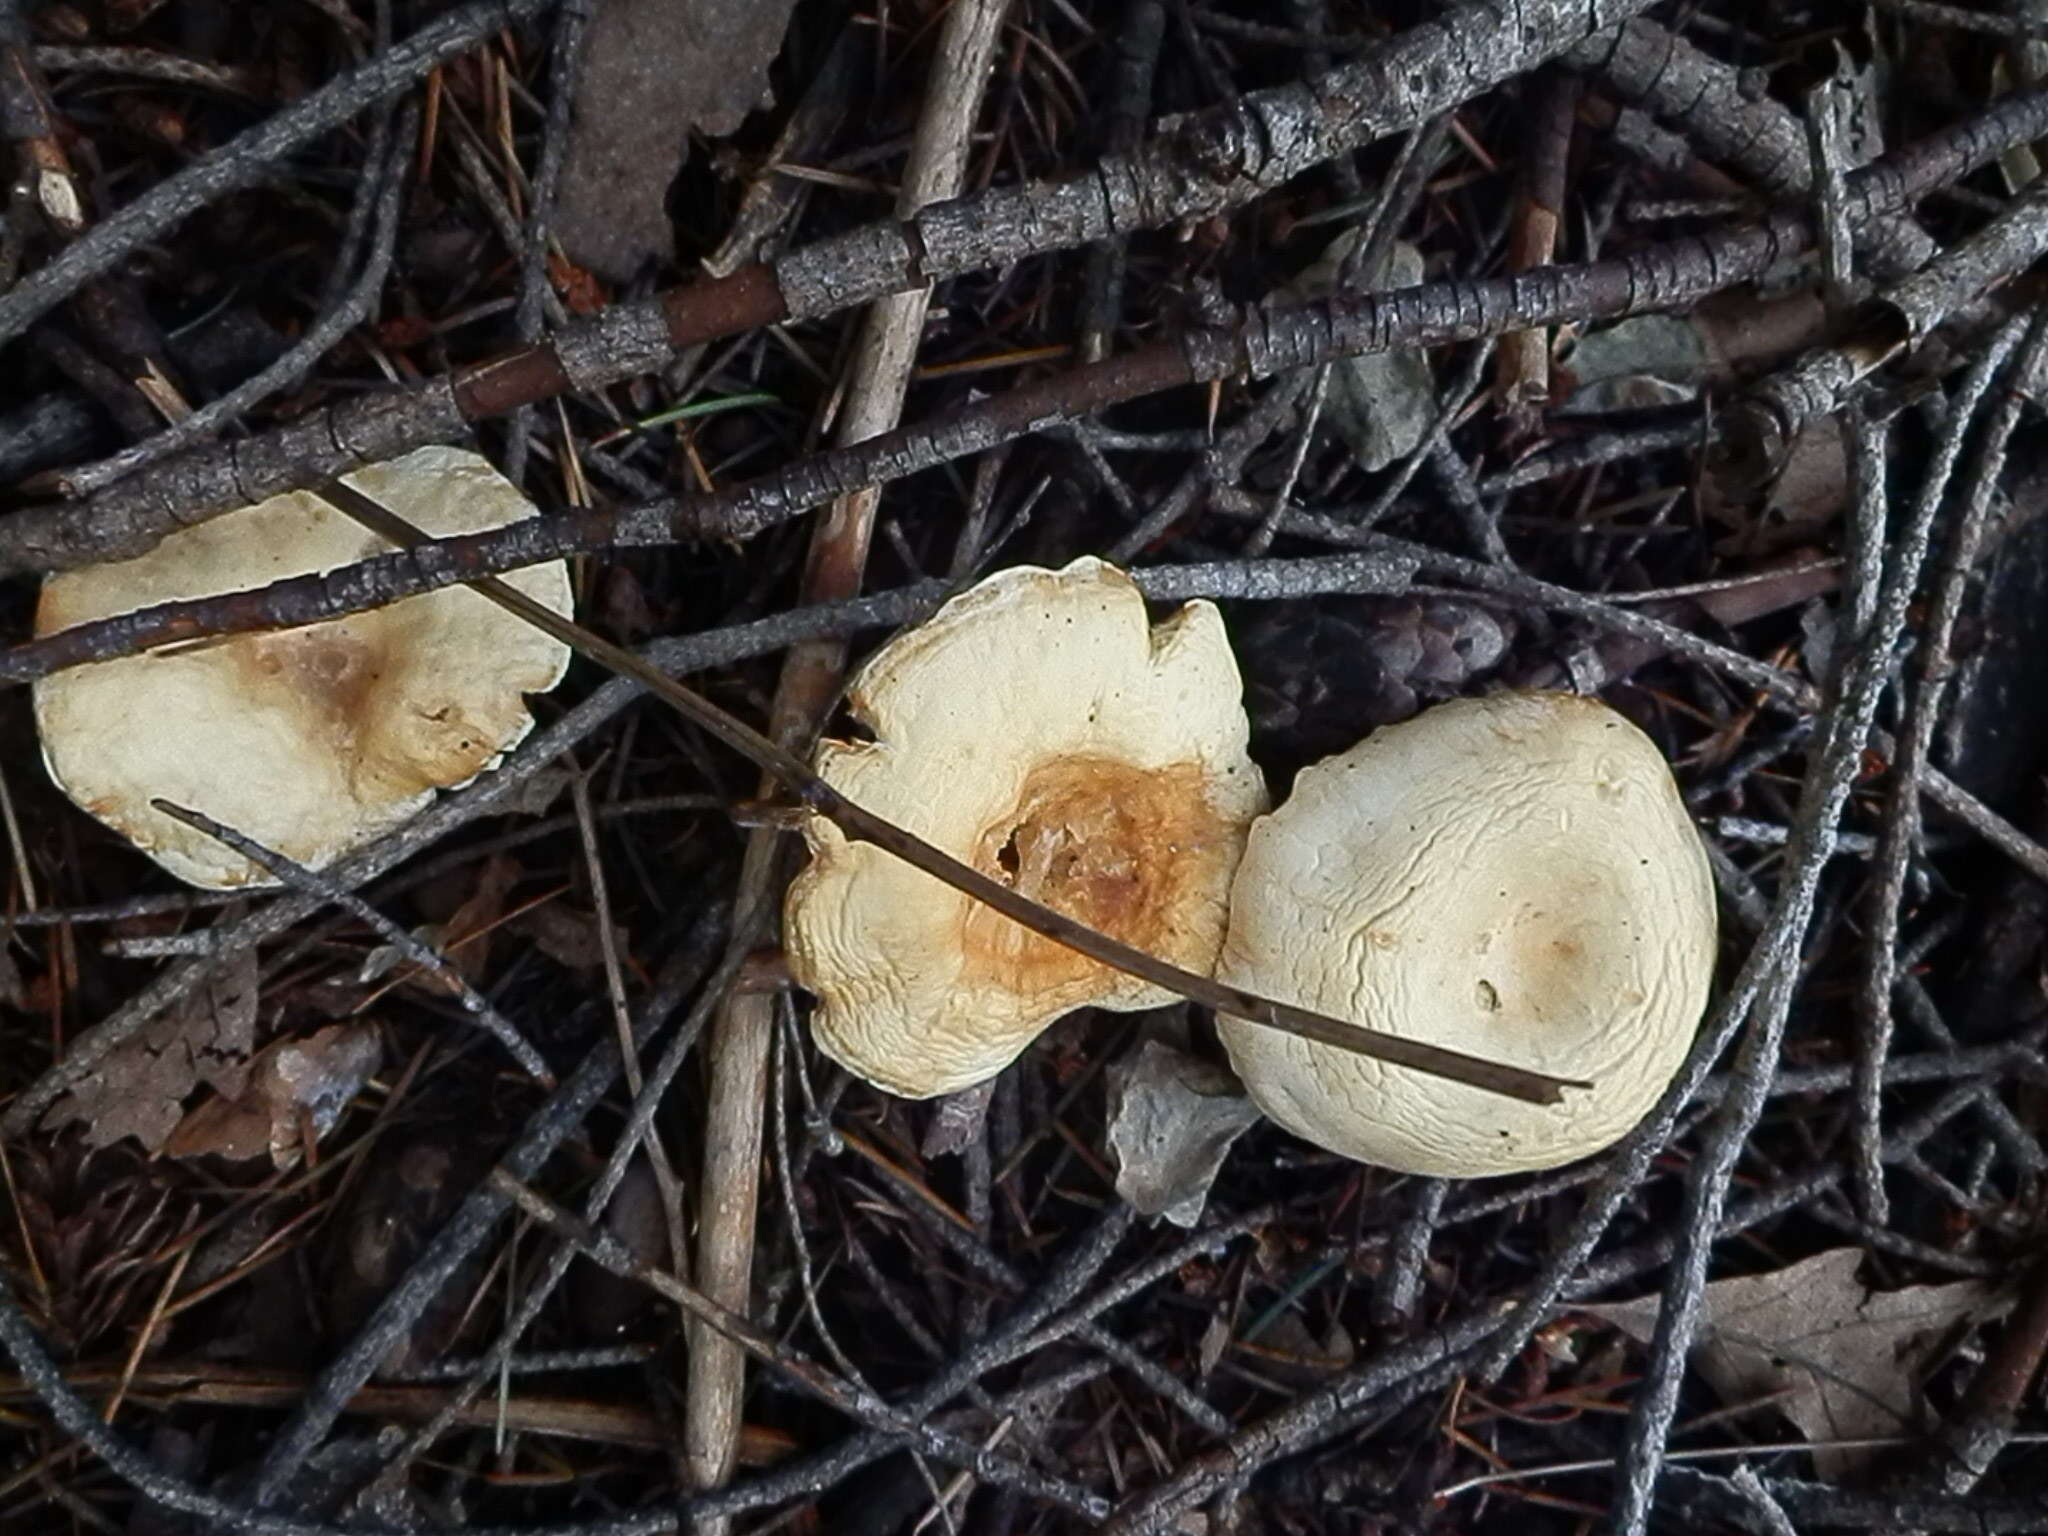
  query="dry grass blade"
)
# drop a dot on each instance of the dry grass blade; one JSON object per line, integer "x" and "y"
{"x": 862, "y": 825}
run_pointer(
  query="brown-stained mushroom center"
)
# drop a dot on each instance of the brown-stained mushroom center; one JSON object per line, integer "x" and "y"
{"x": 1540, "y": 953}
{"x": 1130, "y": 851}
{"x": 333, "y": 667}
{"x": 337, "y": 679}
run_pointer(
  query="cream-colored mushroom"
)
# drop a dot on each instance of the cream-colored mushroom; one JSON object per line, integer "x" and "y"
{"x": 312, "y": 741}
{"x": 1039, "y": 728}
{"x": 1512, "y": 876}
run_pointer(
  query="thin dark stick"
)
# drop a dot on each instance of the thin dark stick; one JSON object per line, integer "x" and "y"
{"x": 421, "y": 954}
{"x": 1261, "y": 581}
{"x": 1011, "y": 1340}
{"x": 1400, "y": 1374}
{"x": 634, "y": 1134}
{"x": 536, "y": 295}
{"x": 864, "y": 826}
{"x": 1138, "y": 42}
{"x": 383, "y": 180}
{"x": 1709, "y": 104}
{"x": 1075, "y": 1323}
{"x": 829, "y": 1387}
{"x": 478, "y": 1215}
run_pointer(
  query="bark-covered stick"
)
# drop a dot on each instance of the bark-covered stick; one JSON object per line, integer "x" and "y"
{"x": 811, "y": 673}
{"x": 415, "y": 949}
{"x": 1762, "y": 427}
{"x": 1652, "y": 67}
{"x": 1262, "y": 581}
{"x": 27, "y": 124}
{"x": 1522, "y": 360}
{"x": 847, "y": 1397}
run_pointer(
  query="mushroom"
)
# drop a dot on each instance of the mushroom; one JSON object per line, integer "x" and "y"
{"x": 314, "y": 740}
{"x": 1040, "y": 729}
{"x": 1514, "y": 876}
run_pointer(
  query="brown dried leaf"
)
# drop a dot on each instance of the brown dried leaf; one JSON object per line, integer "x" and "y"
{"x": 235, "y": 1129}
{"x": 466, "y": 937}
{"x": 293, "y": 1086}
{"x": 1839, "y": 1360}
{"x": 567, "y": 935}
{"x": 140, "y": 1088}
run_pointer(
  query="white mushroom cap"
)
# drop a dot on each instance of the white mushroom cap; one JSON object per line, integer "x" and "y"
{"x": 1041, "y": 730}
{"x": 1513, "y": 876}
{"x": 311, "y": 741}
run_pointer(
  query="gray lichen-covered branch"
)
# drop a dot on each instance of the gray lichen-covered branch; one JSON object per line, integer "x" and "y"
{"x": 1269, "y": 339}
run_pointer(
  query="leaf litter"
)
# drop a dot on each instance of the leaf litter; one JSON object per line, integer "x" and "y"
{"x": 141, "y": 1087}
{"x": 1840, "y": 1360}
{"x": 295, "y": 1094}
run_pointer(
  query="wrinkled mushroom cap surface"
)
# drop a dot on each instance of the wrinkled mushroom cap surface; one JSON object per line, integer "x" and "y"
{"x": 312, "y": 741}
{"x": 1041, "y": 729}
{"x": 1513, "y": 876}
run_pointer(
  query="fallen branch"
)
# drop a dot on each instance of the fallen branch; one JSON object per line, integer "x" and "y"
{"x": 1270, "y": 339}
{"x": 812, "y": 674}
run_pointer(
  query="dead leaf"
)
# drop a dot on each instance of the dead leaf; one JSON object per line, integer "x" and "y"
{"x": 624, "y": 609}
{"x": 140, "y": 1088}
{"x": 466, "y": 937}
{"x": 295, "y": 1088}
{"x": 1813, "y": 487}
{"x": 1383, "y": 403}
{"x": 1635, "y": 364}
{"x": 957, "y": 1120}
{"x": 540, "y": 791}
{"x": 1839, "y": 1360}
{"x": 1171, "y": 1120}
{"x": 1215, "y": 1339}
{"x": 567, "y": 935}
{"x": 652, "y": 71}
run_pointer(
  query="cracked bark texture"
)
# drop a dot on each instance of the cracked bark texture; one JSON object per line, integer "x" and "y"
{"x": 1762, "y": 426}
{"x": 1651, "y": 67}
